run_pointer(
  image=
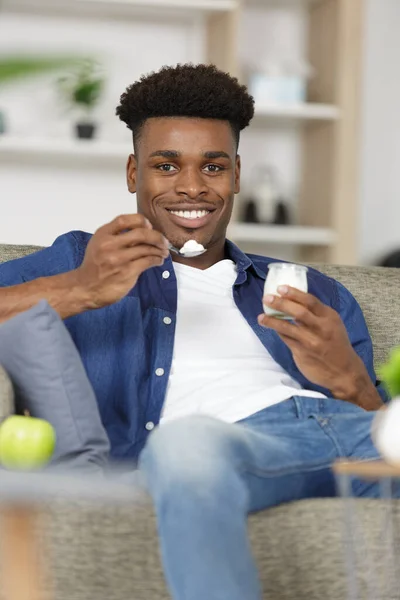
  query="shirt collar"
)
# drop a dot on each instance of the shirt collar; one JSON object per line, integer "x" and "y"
{"x": 242, "y": 261}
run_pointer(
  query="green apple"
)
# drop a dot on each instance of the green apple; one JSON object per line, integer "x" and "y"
{"x": 389, "y": 373}
{"x": 26, "y": 442}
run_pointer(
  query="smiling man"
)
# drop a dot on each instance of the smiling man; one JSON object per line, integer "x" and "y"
{"x": 226, "y": 411}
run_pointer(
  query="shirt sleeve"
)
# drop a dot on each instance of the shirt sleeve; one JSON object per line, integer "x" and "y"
{"x": 360, "y": 338}
{"x": 62, "y": 256}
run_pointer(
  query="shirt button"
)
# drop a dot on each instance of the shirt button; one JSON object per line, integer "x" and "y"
{"x": 165, "y": 274}
{"x": 167, "y": 320}
{"x": 159, "y": 372}
{"x": 149, "y": 426}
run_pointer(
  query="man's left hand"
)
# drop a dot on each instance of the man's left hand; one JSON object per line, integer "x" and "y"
{"x": 321, "y": 347}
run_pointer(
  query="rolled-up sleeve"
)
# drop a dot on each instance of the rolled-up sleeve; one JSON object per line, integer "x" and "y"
{"x": 62, "y": 256}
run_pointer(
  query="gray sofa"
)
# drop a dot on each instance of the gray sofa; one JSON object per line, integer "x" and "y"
{"x": 111, "y": 553}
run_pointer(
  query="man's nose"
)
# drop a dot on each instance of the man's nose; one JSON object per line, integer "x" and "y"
{"x": 191, "y": 182}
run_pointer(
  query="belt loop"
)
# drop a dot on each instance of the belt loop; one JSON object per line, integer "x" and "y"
{"x": 297, "y": 400}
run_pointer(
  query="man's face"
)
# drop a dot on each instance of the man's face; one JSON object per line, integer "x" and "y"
{"x": 186, "y": 173}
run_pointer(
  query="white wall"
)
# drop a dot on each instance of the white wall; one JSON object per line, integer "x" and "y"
{"x": 380, "y": 148}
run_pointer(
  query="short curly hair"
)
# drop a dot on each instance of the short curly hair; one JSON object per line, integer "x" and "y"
{"x": 197, "y": 91}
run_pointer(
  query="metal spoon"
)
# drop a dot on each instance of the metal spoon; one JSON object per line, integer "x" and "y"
{"x": 187, "y": 254}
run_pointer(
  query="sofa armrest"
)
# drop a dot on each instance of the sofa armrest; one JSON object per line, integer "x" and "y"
{"x": 6, "y": 395}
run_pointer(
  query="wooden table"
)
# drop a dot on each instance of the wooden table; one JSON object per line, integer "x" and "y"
{"x": 24, "y": 572}
{"x": 367, "y": 469}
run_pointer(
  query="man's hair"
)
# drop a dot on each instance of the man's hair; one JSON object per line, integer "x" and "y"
{"x": 197, "y": 91}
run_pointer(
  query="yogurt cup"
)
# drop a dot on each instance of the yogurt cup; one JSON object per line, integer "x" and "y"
{"x": 284, "y": 274}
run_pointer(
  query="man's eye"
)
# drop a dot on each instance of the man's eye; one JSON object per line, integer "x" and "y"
{"x": 167, "y": 168}
{"x": 213, "y": 168}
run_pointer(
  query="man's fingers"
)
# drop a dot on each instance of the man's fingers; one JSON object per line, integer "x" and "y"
{"x": 281, "y": 327}
{"x": 141, "y": 236}
{"x": 124, "y": 257}
{"x": 146, "y": 263}
{"x": 141, "y": 251}
{"x": 109, "y": 244}
{"x": 309, "y": 301}
{"x": 124, "y": 223}
{"x": 299, "y": 312}
{"x": 303, "y": 336}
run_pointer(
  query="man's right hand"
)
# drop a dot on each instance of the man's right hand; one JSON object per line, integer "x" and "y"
{"x": 116, "y": 256}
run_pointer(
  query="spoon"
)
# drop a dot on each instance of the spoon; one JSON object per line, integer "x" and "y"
{"x": 186, "y": 253}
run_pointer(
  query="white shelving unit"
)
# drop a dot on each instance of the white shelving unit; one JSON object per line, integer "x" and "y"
{"x": 298, "y": 112}
{"x": 264, "y": 3}
{"x": 324, "y": 150}
{"x": 122, "y": 8}
{"x": 58, "y": 151}
{"x": 282, "y": 234}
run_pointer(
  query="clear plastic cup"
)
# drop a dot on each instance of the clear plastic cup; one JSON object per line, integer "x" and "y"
{"x": 284, "y": 274}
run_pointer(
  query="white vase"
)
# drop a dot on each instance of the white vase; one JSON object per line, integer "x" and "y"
{"x": 386, "y": 432}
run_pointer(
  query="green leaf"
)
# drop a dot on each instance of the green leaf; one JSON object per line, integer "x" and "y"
{"x": 19, "y": 67}
{"x": 84, "y": 85}
{"x": 88, "y": 92}
{"x": 389, "y": 373}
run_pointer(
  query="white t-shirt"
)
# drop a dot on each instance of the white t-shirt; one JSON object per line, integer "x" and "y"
{"x": 220, "y": 367}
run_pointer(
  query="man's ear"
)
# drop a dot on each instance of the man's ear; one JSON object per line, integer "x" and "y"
{"x": 237, "y": 174}
{"x": 131, "y": 171}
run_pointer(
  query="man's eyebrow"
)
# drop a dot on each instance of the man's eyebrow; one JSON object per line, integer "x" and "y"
{"x": 169, "y": 154}
{"x": 166, "y": 154}
{"x": 213, "y": 154}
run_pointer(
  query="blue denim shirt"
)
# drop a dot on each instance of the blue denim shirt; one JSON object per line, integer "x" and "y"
{"x": 127, "y": 347}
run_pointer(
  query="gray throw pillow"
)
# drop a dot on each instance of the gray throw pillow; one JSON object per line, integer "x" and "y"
{"x": 50, "y": 382}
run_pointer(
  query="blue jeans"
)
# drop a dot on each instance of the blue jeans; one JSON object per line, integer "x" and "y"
{"x": 205, "y": 476}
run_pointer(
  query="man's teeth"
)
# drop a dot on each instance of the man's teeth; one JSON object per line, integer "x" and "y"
{"x": 190, "y": 214}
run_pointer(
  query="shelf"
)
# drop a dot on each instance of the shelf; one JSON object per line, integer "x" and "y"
{"x": 298, "y": 112}
{"x": 282, "y": 234}
{"x": 280, "y": 3}
{"x": 187, "y": 5}
{"x": 121, "y": 8}
{"x": 68, "y": 151}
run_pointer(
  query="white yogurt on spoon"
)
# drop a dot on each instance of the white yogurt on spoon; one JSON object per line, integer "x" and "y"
{"x": 190, "y": 249}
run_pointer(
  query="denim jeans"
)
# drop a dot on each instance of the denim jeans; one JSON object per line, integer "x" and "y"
{"x": 205, "y": 476}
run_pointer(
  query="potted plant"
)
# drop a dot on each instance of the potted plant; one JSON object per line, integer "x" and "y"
{"x": 83, "y": 88}
{"x": 17, "y": 67}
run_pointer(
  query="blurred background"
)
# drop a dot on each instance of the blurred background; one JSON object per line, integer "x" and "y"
{"x": 321, "y": 161}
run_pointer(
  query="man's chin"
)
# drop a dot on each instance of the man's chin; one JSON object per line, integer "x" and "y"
{"x": 178, "y": 236}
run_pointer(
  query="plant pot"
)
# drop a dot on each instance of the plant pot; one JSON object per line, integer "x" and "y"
{"x": 85, "y": 131}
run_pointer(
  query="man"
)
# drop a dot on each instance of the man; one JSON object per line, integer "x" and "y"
{"x": 253, "y": 410}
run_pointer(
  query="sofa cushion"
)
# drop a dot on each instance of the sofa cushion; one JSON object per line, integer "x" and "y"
{"x": 50, "y": 382}
{"x": 11, "y": 251}
{"x": 377, "y": 290}
{"x": 299, "y": 549}
{"x": 6, "y": 395}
